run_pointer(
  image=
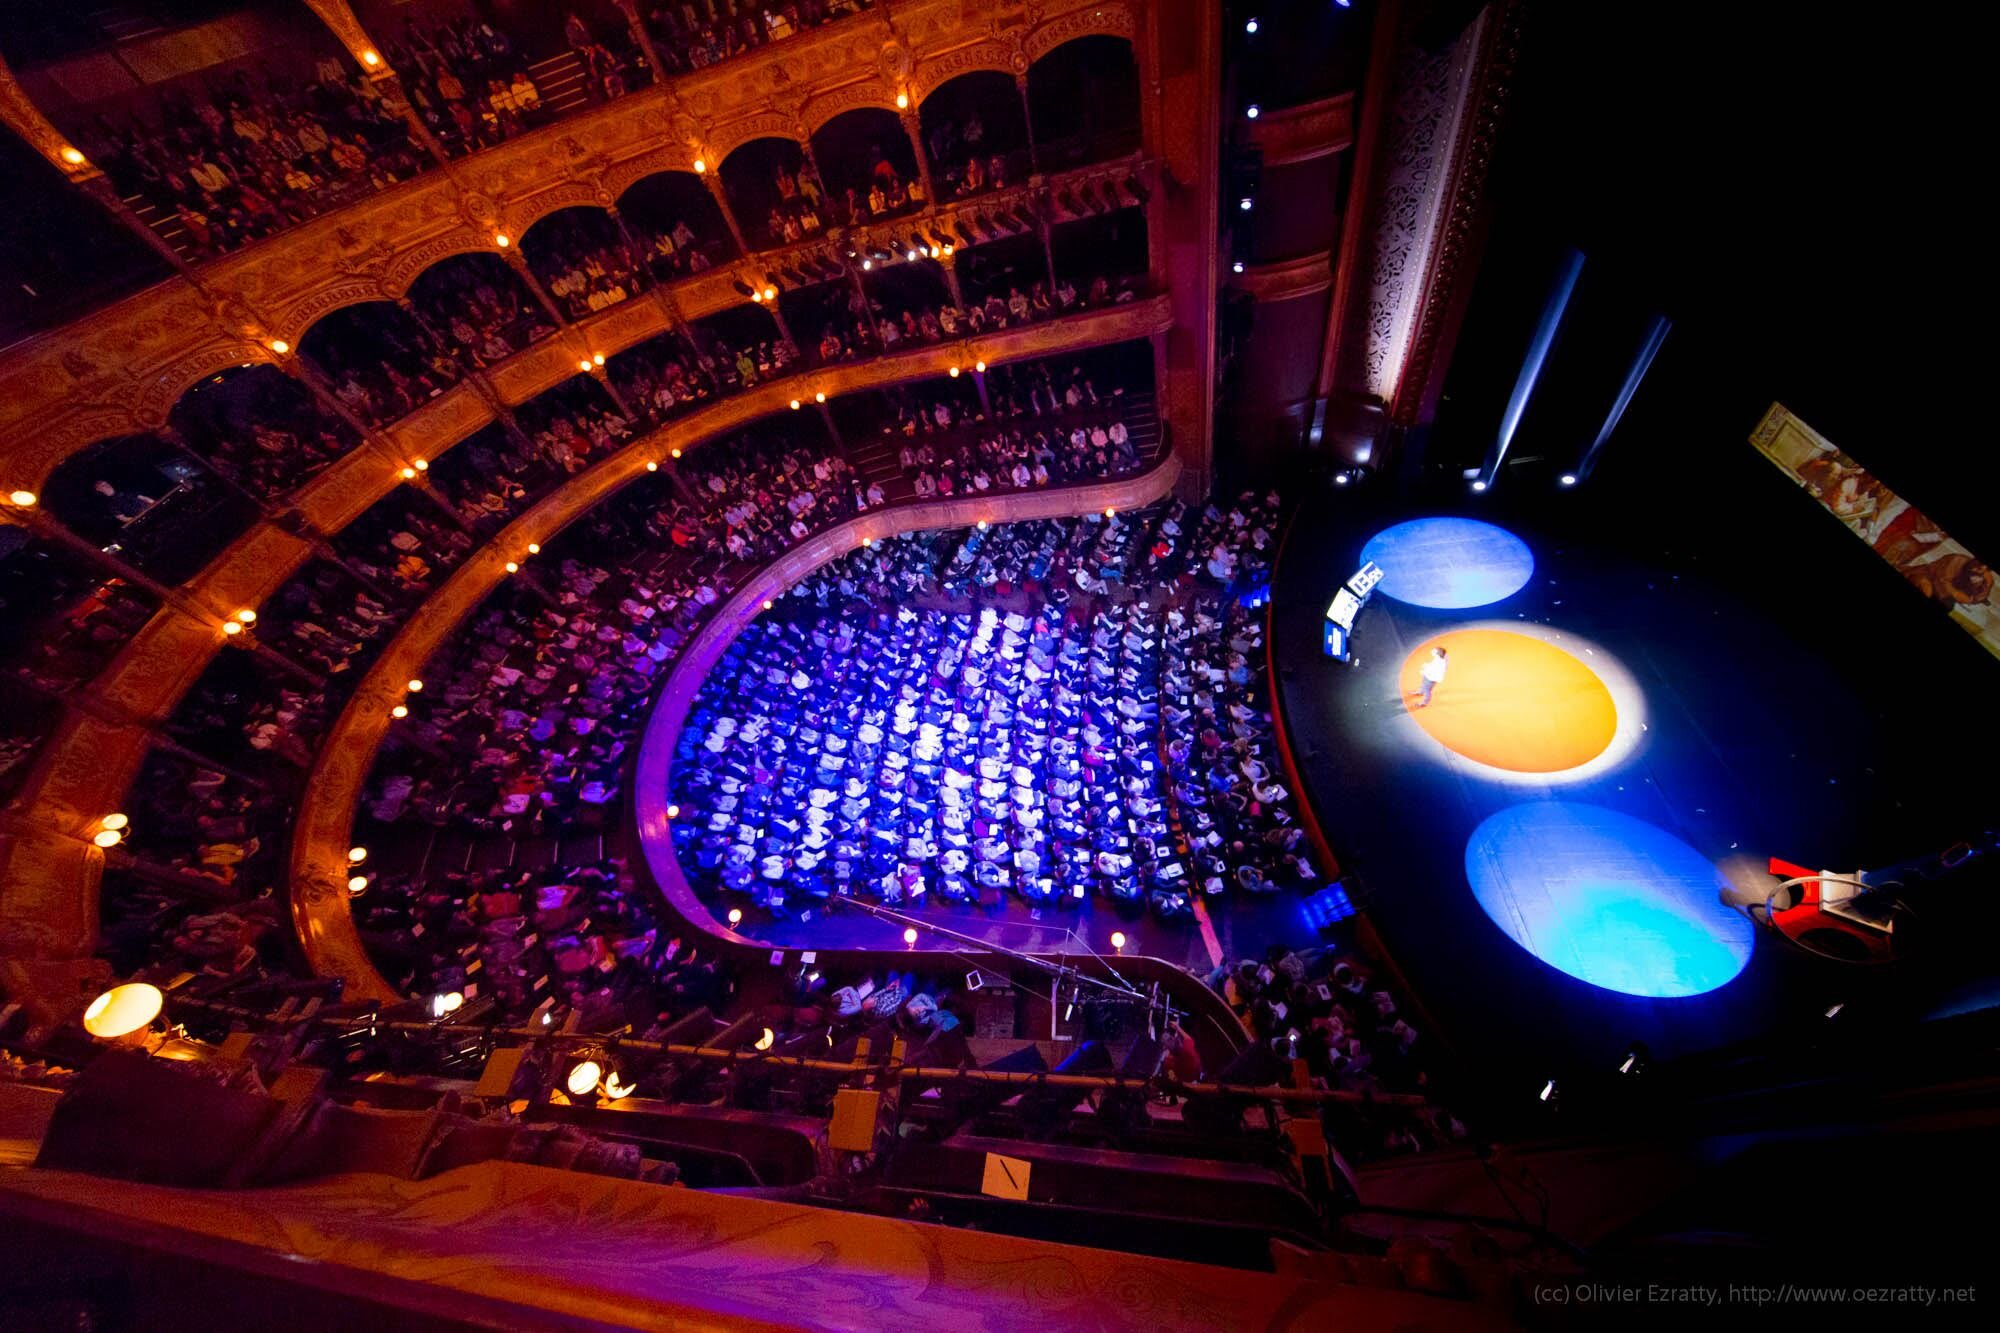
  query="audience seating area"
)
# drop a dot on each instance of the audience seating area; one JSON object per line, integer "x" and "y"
{"x": 978, "y": 716}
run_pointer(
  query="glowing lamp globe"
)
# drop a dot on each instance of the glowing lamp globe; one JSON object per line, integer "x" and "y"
{"x": 615, "y": 1089}
{"x": 123, "y": 1010}
{"x": 583, "y": 1078}
{"x": 764, "y": 1041}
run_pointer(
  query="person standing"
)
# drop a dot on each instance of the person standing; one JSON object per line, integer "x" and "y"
{"x": 1430, "y": 676}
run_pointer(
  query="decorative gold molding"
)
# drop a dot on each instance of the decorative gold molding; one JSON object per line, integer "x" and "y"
{"x": 118, "y": 370}
{"x": 1288, "y": 279}
{"x": 320, "y": 836}
{"x": 1302, "y": 133}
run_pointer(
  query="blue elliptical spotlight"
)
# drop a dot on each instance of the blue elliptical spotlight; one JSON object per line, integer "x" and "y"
{"x": 1450, "y": 564}
{"x": 1608, "y": 899}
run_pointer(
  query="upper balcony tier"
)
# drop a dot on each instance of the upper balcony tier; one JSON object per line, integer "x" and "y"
{"x": 869, "y": 119}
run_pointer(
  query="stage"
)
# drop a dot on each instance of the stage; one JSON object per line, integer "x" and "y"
{"x": 1637, "y": 710}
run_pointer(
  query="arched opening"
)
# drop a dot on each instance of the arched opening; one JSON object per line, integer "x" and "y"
{"x": 1109, "y": 249}
{"x": 690, "y": 37}
{"x": 480, "y": 307}
{"x": 1002, "y": 279}
{"x": 583, "y": 261}
{"x": 222, "y": 137}
{"x": 830, "y": 320}
{"x": 261, "y": 428}
{"x": 479, "y": 74}
{"x": 910, "y": 300}
{"x": 678, "y": 223}
{"x": 490, "y": 476}
{"x": 869, "y": 167}
{"x": 328, "y": 621}
{"x": 379, "y": 361}
{"x": 975, "y": 132}
{"x": 740, "y": 346}
{"x": 574, "y": 424}
{"x": 404, "y": 543}
{"x": 661, "y": 378}
{"x": 1083, "y": 100}
{"x": 151, "y": 503}
{"x": 65, "y": 617}
{"x": 776, "y": 200}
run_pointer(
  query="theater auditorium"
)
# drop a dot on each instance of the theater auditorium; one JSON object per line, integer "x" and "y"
{"x": 1155, "y": 664}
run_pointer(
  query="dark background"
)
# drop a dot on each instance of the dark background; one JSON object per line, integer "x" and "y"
{"x": 1794, "y": 186}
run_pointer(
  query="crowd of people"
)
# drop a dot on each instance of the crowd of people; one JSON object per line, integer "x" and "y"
{"x": 693, "y": 34}
{"x": 1326, "y": 1007}
{"x": 252, "y": 155}
{"x": 1013, "y": 746}
{"x": 578, "y": 937}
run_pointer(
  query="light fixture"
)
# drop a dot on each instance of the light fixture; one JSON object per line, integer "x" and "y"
{"x": 651, "y": 466}
{"x": 819, "y": 398}
{"x": 107, "y": 838}
{"x": 673, "y": 812}
{"x": 534, "y": 548}
{"x": 677, "y": 453}
{"x": 1549, "y": 1091}
{"x": 909, "y": 934}
{"x": 1251, "y": 111}
{"x": 23, "y": 499}
{"x": 72, "y": 156}
{"x": 247, "y": 616}
{"x": 583, "y": 1078}
{"x": 982, "y": 525}
{"x": 795, "y": 404}
{"x": 597, "y": 360}
{"x": 370, "y": 59}
{"x": 409, "y": 474}
{"x": 979, "y": 366}
{"x": 399, "y": 711}
{"x": 512, "y": 567}
{"x": 501, "y": 239}
{"x": 415, "y": 686}
{"x": 231, "y": 628}
{"x": 735, "y": 916}
{"x": 910, "y": 254}
{"x": 954, "y": 372}
{"x": 767, "y": 604}
{"x": 1340, "y": 478}
{"x": 115, "y": 821}
{"x": 1479, "y": 485}
{"x": 867, "y": 541}
{"x": 1117, "y": 939}
{"x": 1109, "y": 512}
{"x": 123, "y": 1010}
{"x": 1236, "y": 267}
{"x": 421, "y": 464}
{"x": 1251, "y": 27}
{"x": 701, "y": 166}
{"x": 770, "y": 293}
{"x": 765, "y": 1038}
{"x": 280, "y": 346}
{"x": 1244, "y": 203}
{"x": 450, "y": 1002}
{"x": 616, "y": 1090}
{"x": 357, "y": 885}
{"x": 356, "y": 855}
{"x": 902, "y": 101}
{"x": 867, "y": 264}
{"x": 1568, "y": 479}
{"x": 584, "y": 364}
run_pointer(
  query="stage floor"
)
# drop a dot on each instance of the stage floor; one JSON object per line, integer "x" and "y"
{"x": 1644, "y": 720}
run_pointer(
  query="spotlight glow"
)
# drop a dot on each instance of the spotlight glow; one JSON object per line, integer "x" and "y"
{"x": 1568, "y": 478}
{"x": 123, "y": 1010}
{"x": 1450, "y": 564}
{"x": 1607, "y": 899}
{"x": 583, "y": 1078}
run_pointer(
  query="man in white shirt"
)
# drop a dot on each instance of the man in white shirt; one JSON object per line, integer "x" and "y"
{"x": 1430, "y": 676}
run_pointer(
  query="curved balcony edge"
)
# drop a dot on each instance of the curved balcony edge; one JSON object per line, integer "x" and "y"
{"x": 88, "y": 764}
{"x": 80, "y": 380}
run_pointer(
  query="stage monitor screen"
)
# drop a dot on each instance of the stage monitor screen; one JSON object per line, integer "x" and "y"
{"x": 1365, "y": 579}
{"x": 1344, "y": 608}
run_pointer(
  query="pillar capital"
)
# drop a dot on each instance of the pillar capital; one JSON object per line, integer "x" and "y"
{"x": 347, "y": 30}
